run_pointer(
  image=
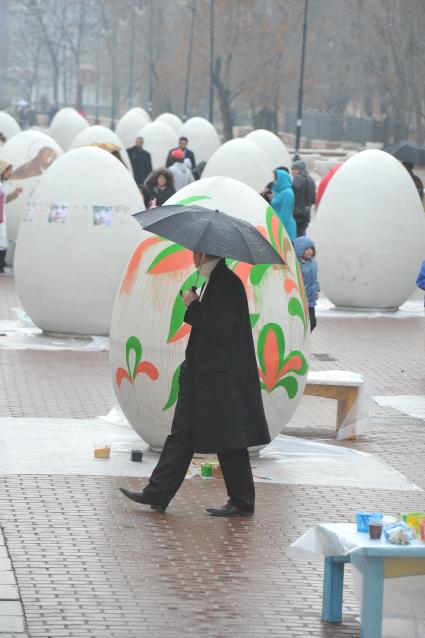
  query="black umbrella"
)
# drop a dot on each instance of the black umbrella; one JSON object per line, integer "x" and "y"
{"x": 407, "y": 152}
{"x": 209, "y": 231}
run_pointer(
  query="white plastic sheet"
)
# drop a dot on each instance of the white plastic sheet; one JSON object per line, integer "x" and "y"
{"x": 21, "y": 335}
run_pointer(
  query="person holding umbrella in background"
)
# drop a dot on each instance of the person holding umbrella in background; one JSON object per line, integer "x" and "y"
{"x": 219, "y": 407}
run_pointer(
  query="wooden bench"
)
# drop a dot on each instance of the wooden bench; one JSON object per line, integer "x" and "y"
{"x": 341, "y": 385}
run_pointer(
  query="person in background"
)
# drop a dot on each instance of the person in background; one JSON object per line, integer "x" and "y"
{"x": 6, "y": 171}
{"x": 416, "y": 180}
{"x": 2, "y": 139}
{"x": 187, "y": 153}
{"x": 198, "y": 170}
{"x": 420, "y": 280}
{"x": 283, "y": 201}
{"x": 267, "y": 192}
{"x": 306, "y": 253}
{"x": 180, "y": 169}
{"x": 140, "y": 161}
{"x": 305, "y": 195}
{"x": 158, "y": 187}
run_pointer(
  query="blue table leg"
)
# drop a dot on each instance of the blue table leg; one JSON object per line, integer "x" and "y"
{"x": 333, "y": 581}
{"x": 372, "y": 598}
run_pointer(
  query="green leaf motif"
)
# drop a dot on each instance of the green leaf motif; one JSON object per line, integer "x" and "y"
{"x": 296, "y": 309}
{"x": 191, "y": 200}
{"x": 257, "y": 273}
{"x": 174, "y": 248}
{"x": 133, "y": 345}
{"x": 290, "y": 384}
{"x": 174, "y": 392}
{"x": 179, "y": 309}
{"x": 254, "y": 319}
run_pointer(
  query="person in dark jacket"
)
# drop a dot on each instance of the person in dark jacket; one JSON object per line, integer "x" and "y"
{"x": 219, "y": 407}
{"x": 416, "y": 179}
{"x": 305, "y": 195}
{"x": 306, "y": 253}
{"x": 188, "y": 154}
{"x": 158, "y": 187}
{"x": 140, "y": 161}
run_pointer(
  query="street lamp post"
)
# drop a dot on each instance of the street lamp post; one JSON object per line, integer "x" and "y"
{"x": 131, "y": 62}
{"x": 301, "y": 85}
{"x": 151, "y": 20}
{"x": 189, "y": 60}
{"x": 211, "y": 100}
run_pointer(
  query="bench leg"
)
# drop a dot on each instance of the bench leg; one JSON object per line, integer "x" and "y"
{"x": 333, "y": 581}
{"x": 372, "y": 598}
{"x": 344, "y": 407}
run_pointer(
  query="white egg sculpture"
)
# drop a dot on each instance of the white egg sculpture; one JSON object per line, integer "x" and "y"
{"x": 31, "y": 153}
{"x": 66, "y": 110}
{"x": 129, "y": 126}
{"x": 8, "y": 125}
{"x": 243, "y": 160}
{"x": 138, "y": 109}
{"x": 172, "y": 120}
{"x": 148, "y": 335}
{"x": 99, "y": 134}
{"x": 75, "y": 241}
{"x": 66, "y": 128}
{"x": 159, "y": 138}
{"x": 370, "y": 233}
{"x": 272, "y": 145}
{"x": 203, "y": 138}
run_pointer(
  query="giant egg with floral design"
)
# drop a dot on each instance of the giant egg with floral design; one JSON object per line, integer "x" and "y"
{"x": 149, "y": 336}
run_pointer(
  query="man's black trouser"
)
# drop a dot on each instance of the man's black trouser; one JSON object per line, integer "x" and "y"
{"x": 178, "y": 451}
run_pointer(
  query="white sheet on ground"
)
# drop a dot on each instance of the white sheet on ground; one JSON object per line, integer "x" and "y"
{"x": 65, "y": 446}
{"x": 411, "y": 308}
{"x": 16, "y": 336}
{"x": 412, "y": 405}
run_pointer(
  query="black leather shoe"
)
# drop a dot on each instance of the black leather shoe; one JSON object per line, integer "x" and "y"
{"x": 140, "y": 497}
{"x": 228, "y": 510}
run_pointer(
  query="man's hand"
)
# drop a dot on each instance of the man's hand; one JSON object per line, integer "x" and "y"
{"x": 188, "y": 297}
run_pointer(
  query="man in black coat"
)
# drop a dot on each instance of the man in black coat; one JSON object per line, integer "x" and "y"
{"x": 140, "y": 161}
{"x": 305, "y": 195}
{"x": 219, "y": 407}
{"x": 188, "y": 154}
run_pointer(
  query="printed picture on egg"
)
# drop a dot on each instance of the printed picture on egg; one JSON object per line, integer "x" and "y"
{"x": 29, "y": 212}
{"x": 102, "y": 215}
{"x": 58, "y": 213}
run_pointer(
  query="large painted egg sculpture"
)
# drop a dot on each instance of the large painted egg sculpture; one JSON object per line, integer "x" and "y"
{"x": 149, "y": 336}
{"x": 172, "y": 120}
{"x": 272, "y": 145}
{"x": 66, "y": 128}
{"x": 243, "y": 160}
{"x": 101, "y": 136}
{"x": 203, "y": 138}
{"x": 129, "y": 126}
{"x": 8, "y": 125}
{"x": 31, "y": 153}
{"x": 75, "y": 241}
{"x": 159, "y": 138}
{"x": 370, "y": 233}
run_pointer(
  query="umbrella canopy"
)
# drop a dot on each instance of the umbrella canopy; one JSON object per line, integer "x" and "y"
{"x": 407, "y": 152}
{"x": 209, "y": 231}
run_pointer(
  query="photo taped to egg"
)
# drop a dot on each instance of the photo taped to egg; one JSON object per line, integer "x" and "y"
{"x": 29, "y": 212}
{"x": 102, "y": 215}
{"x": 58, "y": 213}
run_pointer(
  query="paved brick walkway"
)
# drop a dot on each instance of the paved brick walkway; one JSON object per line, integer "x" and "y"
{"x": 89, "y": 563}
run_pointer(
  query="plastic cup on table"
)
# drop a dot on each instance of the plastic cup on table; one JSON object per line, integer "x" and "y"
{"x": 362, "y": 520}
{"x": 375, "y": 528}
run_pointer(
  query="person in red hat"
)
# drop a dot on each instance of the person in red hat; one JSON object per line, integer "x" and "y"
{"x": 180, "y": 169}
{"x": 188, "y": 154}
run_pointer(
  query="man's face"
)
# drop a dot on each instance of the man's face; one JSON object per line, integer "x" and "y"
{"x": 182, "y": 144}
{"x": 295, "y": 172}
{"x": 139, "y": 142}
